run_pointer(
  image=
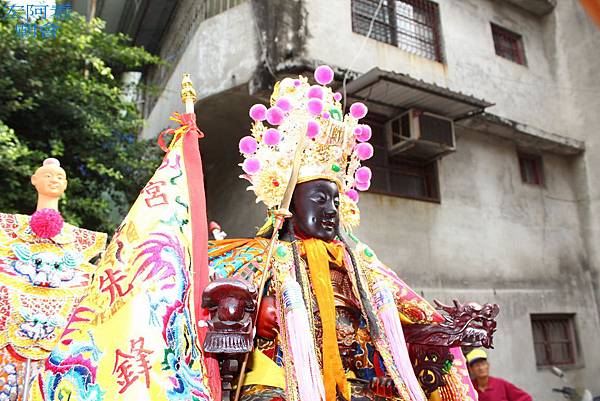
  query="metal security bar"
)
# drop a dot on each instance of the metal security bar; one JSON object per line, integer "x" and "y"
{"x": 554, "y": 339}
{"x": 412, "y": 25}
{"x": 508, "y": 44}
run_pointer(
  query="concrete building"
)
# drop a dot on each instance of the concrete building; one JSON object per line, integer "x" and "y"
{"x": 511, "y": 216}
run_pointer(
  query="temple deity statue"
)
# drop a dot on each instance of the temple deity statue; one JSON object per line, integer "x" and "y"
{"x": 45, "y": 270}
{"x": 305, "y": 310}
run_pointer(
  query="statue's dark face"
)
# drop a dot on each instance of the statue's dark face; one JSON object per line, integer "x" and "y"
{"x": 315, "y": 208}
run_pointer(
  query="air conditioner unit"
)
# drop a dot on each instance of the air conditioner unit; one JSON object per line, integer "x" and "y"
{"x": 420, "y": 135}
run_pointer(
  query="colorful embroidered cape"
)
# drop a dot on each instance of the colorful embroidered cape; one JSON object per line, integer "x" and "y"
{"x": 41, "y": 282}
{"x": 243, "y": 259}
{"x": 134, "y": 337}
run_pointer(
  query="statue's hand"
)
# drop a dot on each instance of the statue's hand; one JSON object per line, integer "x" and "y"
{"x": 266, "y": 324}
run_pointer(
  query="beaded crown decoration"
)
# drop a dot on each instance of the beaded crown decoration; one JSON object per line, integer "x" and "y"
{"x": 335, "y": 144}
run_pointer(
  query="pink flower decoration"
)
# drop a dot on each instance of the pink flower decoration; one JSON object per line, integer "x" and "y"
{"x": 258, "y": 112}
{"x": 325, "y": 115}
{"x": 247, "y": 145}
{"x": 297, "y": 82}
{"x": 275, "y": 115}
{"x": 358, "y": 110}
{"x": 365, "y": 133}
{"x": 46, "y": 223}
{"x": 314, "y": 106}
{"x": 363, "y": 175}
{"x": 251, "y": 166}
{"x": 337, "y": 96}
{"x": 284, "y": 103}
{"x": 363, "y": 186}
{"x": 352, "y": 194}
{"x": 315, "y": 91}
{"x": 364, "y": 151}
{"x": 324, "y": 74}
{"x": 272, "y": 137}
{"x": 312, "y": 129}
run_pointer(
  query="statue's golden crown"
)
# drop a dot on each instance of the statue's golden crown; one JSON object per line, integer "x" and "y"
{"x": 334, "y": 144}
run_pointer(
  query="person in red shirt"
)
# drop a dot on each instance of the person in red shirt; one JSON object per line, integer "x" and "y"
{"x": 491, "y": 388}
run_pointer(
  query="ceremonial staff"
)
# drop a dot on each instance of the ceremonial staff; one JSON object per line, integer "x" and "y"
{"x": 280, "y": 215}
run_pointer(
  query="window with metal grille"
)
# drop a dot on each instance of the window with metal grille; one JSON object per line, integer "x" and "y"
{"x": 531, "y": 167}
{"x": 412, "y": 25}
{"x": 508, "y": 44}
{"x": 393, "y": 175}
{"x": 554, "y": 339}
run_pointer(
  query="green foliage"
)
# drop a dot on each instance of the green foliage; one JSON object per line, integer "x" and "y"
{"x": 61, "y": 97}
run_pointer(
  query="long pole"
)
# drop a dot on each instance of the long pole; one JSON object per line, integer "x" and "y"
{"x": 280, "y": 215}
{"x": 27, "y": 379}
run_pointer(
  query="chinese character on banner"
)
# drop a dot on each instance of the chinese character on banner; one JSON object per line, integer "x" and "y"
{"x": 156, "y": 197}
{"x": 48, "y": 30}
{"x": 26, "y": 30}
{"x": 62, "y": 11}
{"x": 129, "y": 367}
{"x": 111, "y": 282}
{"x": 35, "y": 11}
{"x": 15, "y": 11}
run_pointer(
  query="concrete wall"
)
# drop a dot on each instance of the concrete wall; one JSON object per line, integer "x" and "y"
{"x": 526, "y": 94}
{"x": 221, "y": 55}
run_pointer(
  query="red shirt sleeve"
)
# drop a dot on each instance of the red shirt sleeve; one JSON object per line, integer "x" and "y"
{"x": 513, "y": 393}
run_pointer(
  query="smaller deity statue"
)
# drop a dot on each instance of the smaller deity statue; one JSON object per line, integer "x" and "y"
{"x": 44, "y": 273}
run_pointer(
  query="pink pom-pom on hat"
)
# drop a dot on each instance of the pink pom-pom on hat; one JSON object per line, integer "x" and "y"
{"x": 365, "y": 133}
{"x": 364, "y": 151}
{"x": 363, "y": 186}
{"x": 358, "y": 110}
{"x": 352, "y": 194}
{"x": 312, "y": 129}
{"x": 363, "y": 174}
{"x": 51, "y": 161}
{"x": 314, "y": 106}
{"x": 272, "y": 137}
{"x": 251, "y": 166}
{"x": 46, "y": 223}
{"x": 275, "y": 115}
{"x": 315, "y": 91}
{"x": 284, "y": 103}
{"x": 324, "y": 74}
{"x": 258, "y": 112}
{"x": 248, "y": 145}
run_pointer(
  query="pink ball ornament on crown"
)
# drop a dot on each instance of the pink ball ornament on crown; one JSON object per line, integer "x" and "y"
{"x": 251, "y": 166}
{"x": 284, "y": 103}
{"x": 275, "y": 115}
{"x": 314, "y": 106}
{"x": 312, "y": 129}
{"x": 297, "y": 82}
{"x": 365, "y": 133}
{"x": 364, "y": 151}
{"x": 258, "y": 112}
{"x": 272, "y": 137}
{"x": 337, "y": 96}
{"x": 358, "y": 110}
{"x": 324, "y": 74}
{"x": 363, "y": 186}
{"x": 248, "y": 145}
{"x": 315, "y": 92}
{"x": 363, "y": 175}
{"x": 352, "y": 194}
{"x": 326, "y": 115}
